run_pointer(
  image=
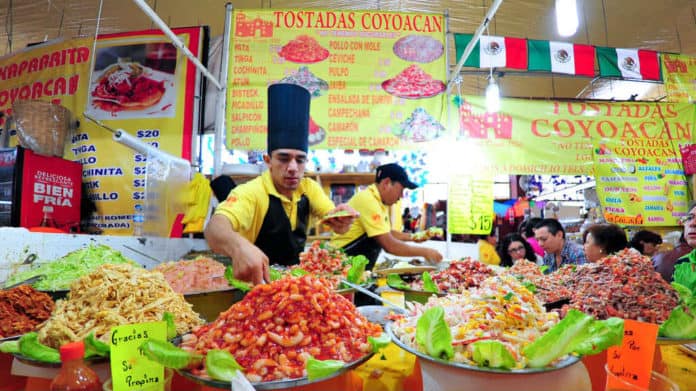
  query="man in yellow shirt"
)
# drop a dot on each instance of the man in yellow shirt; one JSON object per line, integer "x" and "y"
{"x": 371, "y": 231}
{"x": 265, "y": 220}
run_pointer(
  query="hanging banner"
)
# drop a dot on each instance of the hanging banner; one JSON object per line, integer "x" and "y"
{"x": 140, "y": 83}
{"x": 641, "y": 189}
{"x": 376, "y": 78}
{"x": 679, "y": 73}
{"x": 470, "y": 205}
{"x": 555, "y": 137}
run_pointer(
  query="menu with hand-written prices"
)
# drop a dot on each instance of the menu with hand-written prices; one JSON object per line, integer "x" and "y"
{"x": 376, "y": 78}
{"x": 632, "y": 361}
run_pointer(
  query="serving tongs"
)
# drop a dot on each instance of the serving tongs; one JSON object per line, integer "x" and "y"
{"x": 374, "y": 296}
{"x": 28, "y": 281}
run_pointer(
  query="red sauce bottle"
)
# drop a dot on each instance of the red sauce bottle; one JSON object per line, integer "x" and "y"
{"x": 74, "y": 374}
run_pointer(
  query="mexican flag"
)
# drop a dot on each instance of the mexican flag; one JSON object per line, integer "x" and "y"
{"x": 561, "y": 57}
{"x": 628, "y": 63}
{"x": 493, "y": 52}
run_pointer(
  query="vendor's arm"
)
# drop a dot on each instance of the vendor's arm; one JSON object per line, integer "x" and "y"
{"x": 403, "y": 236}
{"x": 248, "y": 261}
{"x": 395, "y": 246}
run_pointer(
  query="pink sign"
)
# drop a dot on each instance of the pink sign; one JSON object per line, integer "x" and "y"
{"x": 688, "y": 153}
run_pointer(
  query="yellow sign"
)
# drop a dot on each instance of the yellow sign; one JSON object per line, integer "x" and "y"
{"x": 470, "y": 205}
{"x": 679, "y": 74}
{"x": 376, "y": 78}
{"x": 130, "y": 369}
{"x": 636, "y": 188}
{"x": 139, "y": 83}
{"x": 554, "y": 137}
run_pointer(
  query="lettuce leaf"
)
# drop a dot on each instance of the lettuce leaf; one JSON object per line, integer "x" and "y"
{"x": 9, "y": 347}
{"x": 170, "y": 356}
{"x": 275, "y": 274}
{"x": 433, "y": 334}
{"x": 492, "y": 354}
{"x": 316, "y": 369}
{"x": 168, "y": 317}
{"x": 239, "y": 284}
{"x": 685, "y": 274}
{"x": 95, "y": 347}
{"x": 357, "y": 269}
{"x": 577, "y": 333}
{"x": 428, "y": 284}
{"x": 395, "y": 281}
{"x": 379, "y": 342}
{"x": 681, "y": 322}
{"x": 298, "y": 272}
{"x": 221, "y": 365}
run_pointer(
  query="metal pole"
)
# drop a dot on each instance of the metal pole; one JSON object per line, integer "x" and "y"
{"x": 222, "y": 93}
{"x": 470, "y": 47}
{"x": 176, "y": 41}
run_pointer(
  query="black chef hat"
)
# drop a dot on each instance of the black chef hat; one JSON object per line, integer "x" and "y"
{"x": 288, "y": 117}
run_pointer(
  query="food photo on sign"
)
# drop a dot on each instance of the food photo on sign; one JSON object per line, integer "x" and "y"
{"x": 133, "y": 81}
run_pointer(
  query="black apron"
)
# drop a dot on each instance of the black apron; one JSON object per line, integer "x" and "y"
{"x": 281, "y": 245}
{"x": 367, "y": 246}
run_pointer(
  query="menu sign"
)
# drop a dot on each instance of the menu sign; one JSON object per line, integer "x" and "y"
{"x": 640, "y": 184}
{"x": 679, "y": 73}
{"x": 376, "y": 78}
{"x": 470, "y": 205}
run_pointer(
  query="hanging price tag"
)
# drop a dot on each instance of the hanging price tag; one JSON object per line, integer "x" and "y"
{"x": 130, "y": 369}
{"x": 631, "y": 363}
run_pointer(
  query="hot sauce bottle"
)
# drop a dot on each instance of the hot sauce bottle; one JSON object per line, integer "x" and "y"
{"x": 74, "y": 374}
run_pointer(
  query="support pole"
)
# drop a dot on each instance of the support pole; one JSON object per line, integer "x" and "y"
{"x": 222, "y": 93}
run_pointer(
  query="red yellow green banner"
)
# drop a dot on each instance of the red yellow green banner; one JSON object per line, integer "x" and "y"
{"x": 679, "y": 73}
{"x": 376, "y": 78}
{"x": 138, "y": 83}
{"x": 556, "y": 137}
{"x": 636, "y": 188}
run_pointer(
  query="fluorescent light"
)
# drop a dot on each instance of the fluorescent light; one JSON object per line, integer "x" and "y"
{"x": 492, "y": 96}
{"x": 566, "y": 17}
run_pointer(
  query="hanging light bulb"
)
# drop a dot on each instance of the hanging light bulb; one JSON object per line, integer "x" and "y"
{"x": 492, "y": 96}
{"x": 566, "y": 17}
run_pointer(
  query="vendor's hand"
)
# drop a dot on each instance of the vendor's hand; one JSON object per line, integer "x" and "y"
{"x": 432, "y": 255}
{"x": 340, "y": 225}
{"x": 250, "y": 264}
{"x": 419, "y": 238}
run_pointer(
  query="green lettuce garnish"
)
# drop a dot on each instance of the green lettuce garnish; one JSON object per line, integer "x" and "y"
{"x": 428, "y": 284}
{"x": 530, "y": 286}
{"x": 682, "y": 320}
{"x": 169, "y": 355}
{"x": 60, "y": 273}
{"x": 357, "y": 269}
{"x": 577, "y": 333}
{"x": 275, "y": 274}
{"x": 221, "y": 365}
{"x": 95, "y": 347}
{"x": 317, "y": 369}
{"x": 9, "y": 347}
{"x": 433, "y": 334}
{"x": 685, "y": 273}
{"x": 298, "y": 272}
{"x": 29, "y": 346}
{"x": 544, "y": 268}
{"x": 395, "y": 281}
{"x": 492, "y": 354}
{"x": 379, "y": 342}
{"x": 168, "y": 317}
{"x": 239, "y": 284}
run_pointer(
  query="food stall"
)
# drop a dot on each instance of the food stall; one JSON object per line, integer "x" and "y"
{"x": 380, "y": 80}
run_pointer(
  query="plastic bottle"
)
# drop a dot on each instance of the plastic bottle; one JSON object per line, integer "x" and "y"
{"x": 47, "y": 220}
{"x": 138, "y": 220}
{"x": 74, "y": 374}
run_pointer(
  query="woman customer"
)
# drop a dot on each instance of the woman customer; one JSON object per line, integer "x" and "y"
{"x": 486, "y": 248}
{"x": 601, "y": 240}
{"x": 513, "y": 248}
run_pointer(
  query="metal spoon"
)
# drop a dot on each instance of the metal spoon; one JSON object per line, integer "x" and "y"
{"x": 372, "y": 295}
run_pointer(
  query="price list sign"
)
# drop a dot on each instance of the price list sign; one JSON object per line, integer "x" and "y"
{"x": 470, "y": 205}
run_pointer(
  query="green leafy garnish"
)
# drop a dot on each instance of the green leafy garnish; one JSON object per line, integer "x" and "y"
{"x": 357, "y": 269}
{"x": 681, "y": 322}
{"x": 492, "y": 354}
{"x": 544, "y": 268}
{"x": 95, "y": 347}
{"x": 685, "y": 273}
{"x": 530, "y": 286}
{"x": 239, "y": 284}
{"x": 428, "y": 284}
{"x": 9, "y": 347}
{"x": 168, "y": 317}
{"x": 170, "y": 356}
{"x": 433, "y": 334}
{"x": 577, "y": 333}
{"x": 275, "y": 274}
{"x": 317, "y": 369}
{"x": 379, "y": 342}
{"x": 298, "y": 272}
{"x": 509, "y": 296}
{"x": 221, "y": 365}
{"x": 29, "y": 346}
{"x": 395, "y": 281}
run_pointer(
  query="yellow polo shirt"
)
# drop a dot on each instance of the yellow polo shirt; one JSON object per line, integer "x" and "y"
{"x": 374, "y": 217}
{"x": 247, "y": 204}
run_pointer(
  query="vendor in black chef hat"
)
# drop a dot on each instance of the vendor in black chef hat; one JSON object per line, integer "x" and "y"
{"x": 265, "y": 220}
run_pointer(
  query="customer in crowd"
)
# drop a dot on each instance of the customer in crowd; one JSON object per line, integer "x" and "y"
{"x": 486, "y": 248}
{"x": 683, "y": 268}
{"x": 664, "y": 261}
{"x": 558, "y": 250}
{"x": 513, "y": 248}
{"x": 601, "y": 240}
{"x": 646, "y": 242}
{"x": 527, "y": 232}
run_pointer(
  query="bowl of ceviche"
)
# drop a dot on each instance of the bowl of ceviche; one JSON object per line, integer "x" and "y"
{"x": 290, "y": 332}
{"x": 487, "y": 337}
